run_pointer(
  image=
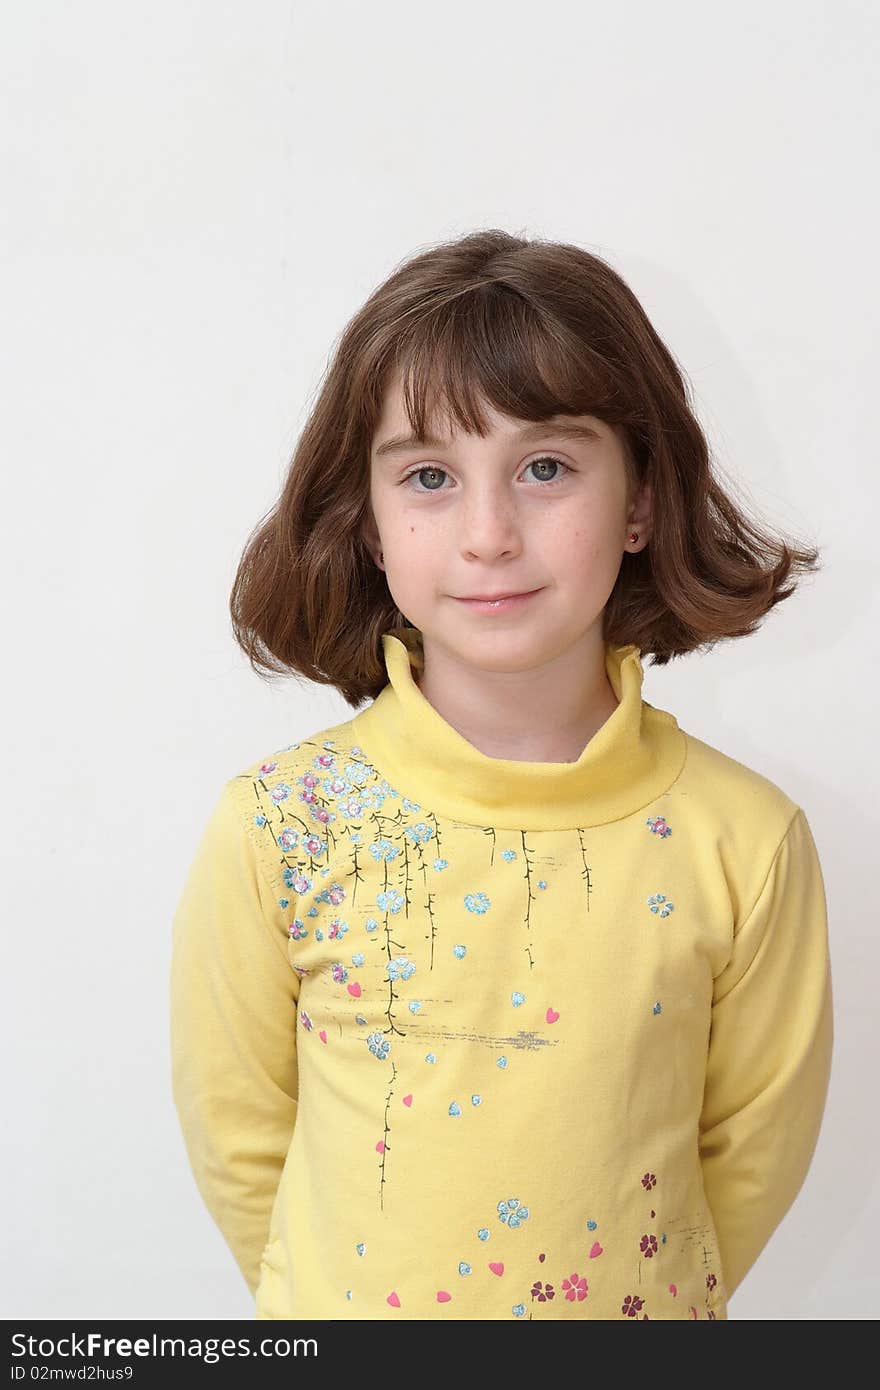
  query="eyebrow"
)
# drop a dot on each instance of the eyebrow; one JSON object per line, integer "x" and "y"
{"x": 541, "y": 429}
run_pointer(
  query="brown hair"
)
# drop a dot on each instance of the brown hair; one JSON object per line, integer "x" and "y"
{"x": 537, "y": 328}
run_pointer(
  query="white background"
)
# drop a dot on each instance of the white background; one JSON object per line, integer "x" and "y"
{"x": 195, "y": 199}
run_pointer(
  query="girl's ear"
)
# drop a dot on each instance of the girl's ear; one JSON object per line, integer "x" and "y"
{"x": 640, "y": 515}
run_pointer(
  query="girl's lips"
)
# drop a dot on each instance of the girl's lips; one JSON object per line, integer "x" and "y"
{"x": 498, "y": 605}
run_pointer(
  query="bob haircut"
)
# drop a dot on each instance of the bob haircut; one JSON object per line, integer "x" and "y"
{"x": 538, "y": 328}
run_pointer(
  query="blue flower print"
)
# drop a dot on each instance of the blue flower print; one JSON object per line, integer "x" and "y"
{"x": 335, "y": 894}
{"x": 297, "y": 931}
{"x": 657, "y": 1008}
{"x": 390, "y": 900}
{"x": 410, "y": 805}
{"x": 415, "y": 1005}
{"x": 455, "y": 1108}
{"x": 477, "y": 902}
{"x": 288, "y": 839}
{"x": 542, "y": 883}
{"x": 459, "y": 951}
{"x": 295, "y": 880}
{"x": 358, "y": 958}
{"x": 464, "y": 1267}
{"x": 280, "y": 792}
{"x": 518, "y": 1310}
{"x": 419, "y": 833}
{"x": 352, "y": 808}
{"x": 476, "y": 1100}
{"x": 373, "y": 798}
{"x": 260, "y": 820}
{"x": 511, "y": 1213}
{"x": 339, "y": 972}
{"x": 655, "y": 901}
{"x": 483, "y": 1233}
{"x": 383, "y": 849}
{"x": 502, "y": 1063}
{"x": 441, "y": 864}
{"x": 379, "y": 1046}
{"x": 371, "y": 924}
{"x": 400, "y": 968}
{"x": 508, "y": 854}
{"x": 357, "y": 774}
{"x": 517, "y": 998}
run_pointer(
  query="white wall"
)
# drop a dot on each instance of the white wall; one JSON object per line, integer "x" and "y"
{"x": 195, "y": 198}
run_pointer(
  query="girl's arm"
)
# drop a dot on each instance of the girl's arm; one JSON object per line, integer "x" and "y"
{"x": 233, "y": 1033}
{"x": 769, "y": 1060}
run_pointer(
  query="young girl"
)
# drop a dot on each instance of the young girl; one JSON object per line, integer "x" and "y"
{"x": 506, "y": 997}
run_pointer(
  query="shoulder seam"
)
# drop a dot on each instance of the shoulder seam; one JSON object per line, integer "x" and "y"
{"x": 772, "y": 865}
{"x": 233, "y": 790}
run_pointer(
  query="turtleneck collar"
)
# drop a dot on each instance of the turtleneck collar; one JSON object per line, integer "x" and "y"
{"x": 632, "y": 758}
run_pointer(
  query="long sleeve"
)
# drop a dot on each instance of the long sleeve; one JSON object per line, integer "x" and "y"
{"x": 769, "y": 1059}
{"x": 233, "y": 995}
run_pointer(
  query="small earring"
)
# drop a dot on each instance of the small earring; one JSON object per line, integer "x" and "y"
{"x": 381, "y": 557}
{"x": 634, "y": 535}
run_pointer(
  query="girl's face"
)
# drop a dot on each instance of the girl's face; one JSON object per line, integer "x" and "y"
{"x": 529, "y": 507}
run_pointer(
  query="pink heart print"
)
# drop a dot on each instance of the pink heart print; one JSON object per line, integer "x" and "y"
{"x": 393, "y": 1300}
{"x": 496, "y": 1266}
{"x": 596, "y": 1250}
{"x": 355, "y": 989}
{"x": 551, "y": 1015}
{"x": 407, "y": 1100}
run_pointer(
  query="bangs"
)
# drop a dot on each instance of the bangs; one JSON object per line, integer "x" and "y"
{"x": 489, "y": 344}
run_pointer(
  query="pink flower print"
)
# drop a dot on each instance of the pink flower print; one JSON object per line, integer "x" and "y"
{"x": 711, "y": 1281}
{"x": 649, "y": 1181}
{"x": 542, "y": 1292}
{"x": 305, "y": 1020}
{"x": 313, "y": 843}
{"x": 288, "y": 839}
{"x": 659, "y": 826}
{"x": 309, "y": 779}
{"x": 336, "y": 894}
{"x": 339, "y": 973}
{"x": 300, "y": 884}
{"x": 335, "y": 785}
{"x": 321, "y": 813}
{"x": 325, "y": 759}
{"x": 297, "y": 930}
{"x": 632, "y": 1305}
{"x": 267, "y": 768}
{"x": 337, "y": 928}
{"x": 280, "y": 792}
{"x": 308, "y": 797}
{"x": 648, "y": 1246}
{"x": 575, "y": 1288}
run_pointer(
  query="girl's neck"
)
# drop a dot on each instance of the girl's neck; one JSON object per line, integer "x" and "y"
{"x": 548, "y": 714}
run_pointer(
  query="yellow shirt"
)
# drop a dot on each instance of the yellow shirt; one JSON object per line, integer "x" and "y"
{"x": 461, "y": 1037}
